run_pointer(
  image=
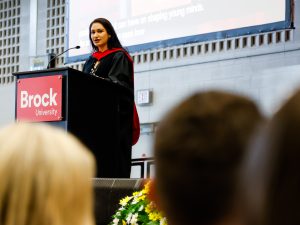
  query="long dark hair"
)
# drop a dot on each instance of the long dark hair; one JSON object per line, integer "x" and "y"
{"x": 113, "y": 41}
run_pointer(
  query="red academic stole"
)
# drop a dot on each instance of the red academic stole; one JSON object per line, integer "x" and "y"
{"x": 136, "y": 121}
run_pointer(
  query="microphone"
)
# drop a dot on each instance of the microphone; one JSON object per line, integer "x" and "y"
{"x": 56, "y": 56}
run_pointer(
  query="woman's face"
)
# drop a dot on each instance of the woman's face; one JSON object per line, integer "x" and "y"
{"x": 99, "y": 36}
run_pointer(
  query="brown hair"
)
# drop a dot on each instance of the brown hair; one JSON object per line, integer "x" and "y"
{"x": 270, "y": 178}
{"x": 198, "y": 148}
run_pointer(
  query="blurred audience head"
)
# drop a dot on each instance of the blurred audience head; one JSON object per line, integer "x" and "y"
{"x": 45, "y": 177}
{"x": 270, "y": 177}
{"x": 198, "y": 148}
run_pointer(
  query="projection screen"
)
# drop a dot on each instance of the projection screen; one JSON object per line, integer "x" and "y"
{"x": 147, "y": 24}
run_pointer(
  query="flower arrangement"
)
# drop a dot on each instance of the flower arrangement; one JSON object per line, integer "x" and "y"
{"x": 138, "y": 209}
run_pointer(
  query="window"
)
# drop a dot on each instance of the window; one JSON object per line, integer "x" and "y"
{"x": 178, "y": 52}
{"x": 157, "y": 55}
{"x": 171, "y": 53}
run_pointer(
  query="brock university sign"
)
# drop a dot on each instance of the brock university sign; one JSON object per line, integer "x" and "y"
{"x": 39, "y": 99}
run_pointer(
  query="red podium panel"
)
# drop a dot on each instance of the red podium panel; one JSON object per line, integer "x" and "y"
{"x": 39, "y": 98}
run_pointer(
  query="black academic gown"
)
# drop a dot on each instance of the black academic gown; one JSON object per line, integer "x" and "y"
{"x": 116, "y": 67}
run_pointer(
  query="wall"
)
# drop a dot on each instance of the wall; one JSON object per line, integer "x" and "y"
{"x": 7, "y": 106}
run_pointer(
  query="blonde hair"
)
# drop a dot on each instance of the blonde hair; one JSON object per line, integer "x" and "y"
{"x": 45, "y": 176}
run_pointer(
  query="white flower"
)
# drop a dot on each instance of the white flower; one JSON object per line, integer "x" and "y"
{"x": 141, "y": 208}
{"x": 134, "y": 220}
{"x": 128, "y": 219}
{"x": 115, "y": 221}
{"x": 135, "y": 199}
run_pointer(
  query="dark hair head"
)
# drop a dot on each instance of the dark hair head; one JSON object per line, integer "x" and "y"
{"x": 271, "y": 179}
{"x": 198, "y": 148}
{"x": 113, "y": 41}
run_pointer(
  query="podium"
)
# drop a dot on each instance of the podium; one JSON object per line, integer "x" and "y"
{"x": 97, "y": 111}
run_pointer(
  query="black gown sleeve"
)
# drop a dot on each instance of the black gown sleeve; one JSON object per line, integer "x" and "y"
{"x": 121, "y": 70}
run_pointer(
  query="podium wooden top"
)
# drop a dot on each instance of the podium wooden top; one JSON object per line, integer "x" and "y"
{"x": 60, "y": 69}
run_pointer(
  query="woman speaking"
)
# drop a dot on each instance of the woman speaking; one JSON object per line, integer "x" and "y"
{"x": 110, "y": 61}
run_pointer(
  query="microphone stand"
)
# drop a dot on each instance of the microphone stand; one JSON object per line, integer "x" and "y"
{"x": 56, "y": 56}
